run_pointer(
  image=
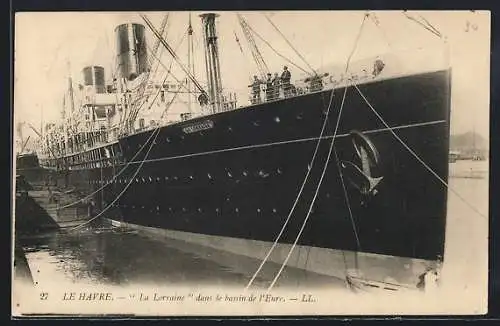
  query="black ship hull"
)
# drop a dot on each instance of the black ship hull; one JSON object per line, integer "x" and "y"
{"x": 237, "y": 174}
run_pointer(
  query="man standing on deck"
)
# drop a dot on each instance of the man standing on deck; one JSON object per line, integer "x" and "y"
{"x": 286, "y": 76}
{"x": 276, "y": 86}
{"x": 269, "y": 88}
{"x": 255, "y": 90}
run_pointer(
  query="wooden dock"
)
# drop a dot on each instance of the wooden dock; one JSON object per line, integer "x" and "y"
{"x": 55, "y": 204}
{"x": 43, "y": 209}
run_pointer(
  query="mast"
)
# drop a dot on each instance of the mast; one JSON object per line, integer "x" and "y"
{"x": 20, "y": 140}
{"x": 212, "y": 61}
{"x": 64, "y": 126}
{"x": 190, "y": 60}
{"x": 41, "y": 122}
{"x": 70, "y": 89}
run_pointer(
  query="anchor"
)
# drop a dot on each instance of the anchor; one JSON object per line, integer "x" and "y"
{"x": 363, "y": 176}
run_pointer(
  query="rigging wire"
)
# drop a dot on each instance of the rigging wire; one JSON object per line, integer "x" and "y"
{"x": 172, "y": 52}
{"x": 254, "y": 49}
{"x": 114, "y": 61}
{"x": 143, "y": 85}
{"x": 356, "y": 41}
{"x": 430, "y": 25}
{"x": 168, "y": 71}
{"x": 376, "y": 22}
{"x": 417, "y": 156}
{"x": 348, "y": 204}
{"x": 242, "y": 51}
{"x": 156, "y": 45}
{"x": 430, "y": 28}
{"x": 238, "y": 41}
{"x": 290, "y": 44}
{"x": 277, "y": 53}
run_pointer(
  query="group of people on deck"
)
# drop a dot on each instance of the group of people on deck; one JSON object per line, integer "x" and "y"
{"x": 273, "y": 86}
{"x": 315, "y": 83}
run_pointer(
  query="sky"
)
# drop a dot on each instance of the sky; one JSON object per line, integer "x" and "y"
{"x": 51, "y": 46}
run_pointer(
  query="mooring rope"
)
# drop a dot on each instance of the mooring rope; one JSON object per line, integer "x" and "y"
{"x": 112, "y": 179}
{"x": 311, "y": 163}
{"x": 309, "y": 170}
{"x": 315, "y": 194}
{"x": 157, "y": 131}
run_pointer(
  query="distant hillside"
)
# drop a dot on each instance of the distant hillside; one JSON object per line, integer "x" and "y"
{"x": 468, "y": 141}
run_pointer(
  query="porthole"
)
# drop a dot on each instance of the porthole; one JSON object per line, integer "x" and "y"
{"x": 263, "y": 174}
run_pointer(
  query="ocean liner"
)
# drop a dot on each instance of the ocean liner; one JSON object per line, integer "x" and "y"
{"x": 342, "y": 172}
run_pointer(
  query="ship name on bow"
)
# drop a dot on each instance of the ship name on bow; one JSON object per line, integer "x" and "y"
{"x": 207, "y": 124}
